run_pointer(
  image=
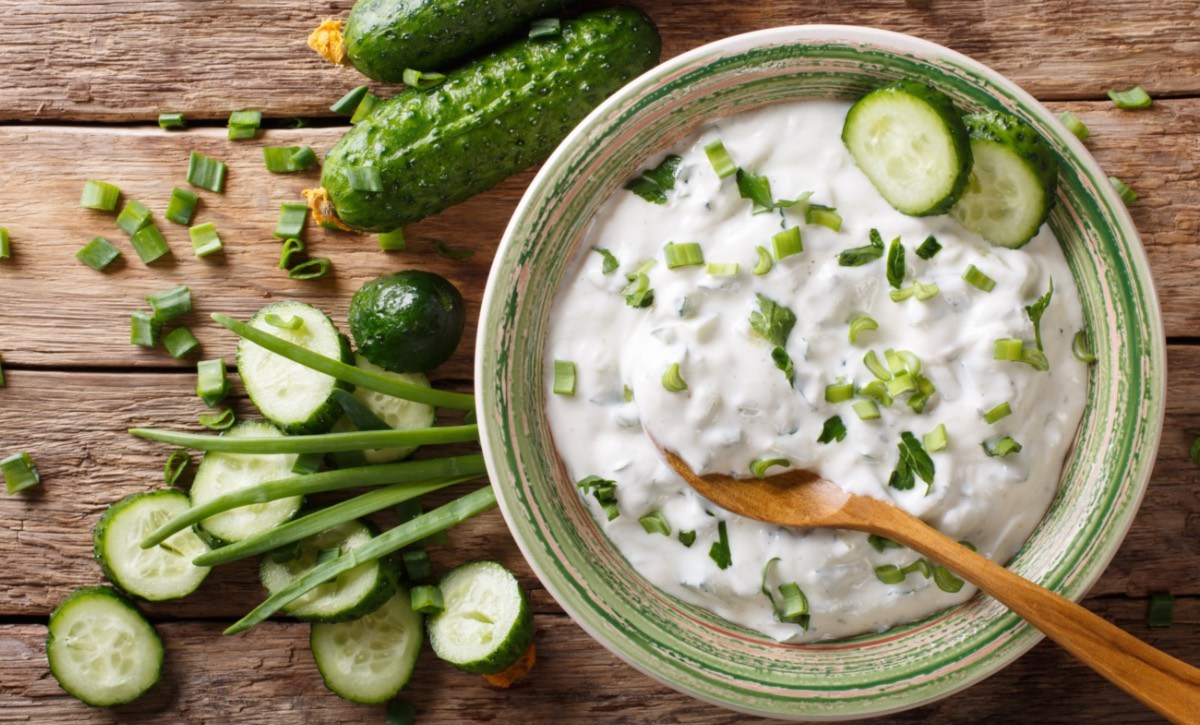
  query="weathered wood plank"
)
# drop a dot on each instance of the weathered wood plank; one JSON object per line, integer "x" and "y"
{"x": 103, "y": 61}
{"x": 268, "y": 674}
{"x": 55, "y": 311}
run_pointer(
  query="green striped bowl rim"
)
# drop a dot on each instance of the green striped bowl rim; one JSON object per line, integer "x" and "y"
{"x": 691, "y": 649}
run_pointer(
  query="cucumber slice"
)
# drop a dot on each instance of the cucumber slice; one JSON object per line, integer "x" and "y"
{"x": 487, "y": 624}
{"x": 220, "y": 473}
{"x": 911, "y": 143}
{"x": 101, "y": 649}
{"x": 295, "y": 398}
{"x": 370, "y": 659}
{"x": 398, "y": 413}
{"x": 1011, "y": 189}
{"x": 351, "y": 595}
{"x": 158, "y": 573}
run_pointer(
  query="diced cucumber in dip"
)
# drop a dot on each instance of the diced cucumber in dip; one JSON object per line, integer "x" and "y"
{"x": 749, "y": 371}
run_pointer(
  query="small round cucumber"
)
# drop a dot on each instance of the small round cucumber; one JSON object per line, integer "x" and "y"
{"x": 1011, "y": 190}
{"x": 911, "y": 143}
{"x": 161, "y": 572}
{"x": 368, "y": 660}
{"x": 351, "y": 595}
{"x": 407, "y": 322}
{"x": 220, "y": 473}
{"x": 396, "y": 412}
{"x": 487, "y": 624}
{"x": 297, "y": 399}
{"x": 101, "y": 649}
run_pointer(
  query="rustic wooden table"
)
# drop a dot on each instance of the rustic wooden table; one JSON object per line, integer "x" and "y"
{"x": 83, "y": 82}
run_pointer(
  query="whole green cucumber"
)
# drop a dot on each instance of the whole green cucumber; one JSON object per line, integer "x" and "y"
{"x": 383, "y": 37}
{"x": 488, "y": 120}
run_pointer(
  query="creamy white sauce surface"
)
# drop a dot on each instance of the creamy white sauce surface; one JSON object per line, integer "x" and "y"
{"x": 738, "y": 407}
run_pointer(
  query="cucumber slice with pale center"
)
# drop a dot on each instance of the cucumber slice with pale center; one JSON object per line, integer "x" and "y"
{"x": 1011, "y": 189}
{"x": 161, "y": 572}
{"x": 396, "y": 412}
{"x": 101, "y": 649}
{"x": 911, "y": 143}
{"x": 221, "y": 473}
{"x": 487, "y": 624}
{"x": 350, "y": 595}
{"x": 368, "y": 660}
{"x": 297, "y": 399}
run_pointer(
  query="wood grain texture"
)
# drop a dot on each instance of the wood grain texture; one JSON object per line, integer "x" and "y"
{"x": 87, "y": 324}
{"x": 108, "y": 61}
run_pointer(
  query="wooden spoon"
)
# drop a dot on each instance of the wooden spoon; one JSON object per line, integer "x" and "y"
{"x": 802, "y": 498}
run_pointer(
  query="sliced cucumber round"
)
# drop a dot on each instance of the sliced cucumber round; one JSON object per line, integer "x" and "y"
{"x": 297, "y": 399}
{"x": 220, "y": 473}
{"x": 487, "y": 624}
{"x": 910, "y": 141}
{"x": 396, "y": 412}
{"x": 161, "y": 572}
{"x": 368, "y": 660}
{"x": 351, "y": 595}
{"x": 101, "y": 649}
{"x": 1011, "y": 189}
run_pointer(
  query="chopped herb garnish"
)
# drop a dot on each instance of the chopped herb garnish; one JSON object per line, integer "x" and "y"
{"x": 879, "y": 543}
{"x": 172, "y": 303}
{"x": 99, "y": 195}
{"x": 608, "y": 263}
{"x": 307, "y": 463}
{"x": 946, "y": 580}
{"x": 758, "y": 190}
{"x": 205, "y": 240}
{"x": 685, "y": 254}
{"x": 936, "y": 439}
{"x": 1074, "y": 125}
{"x": 181, "y": 207}
{"x": 1132, "y": 99}
{"x": 365, "y": 108}
{"x": 98, "y": 254}
{"x": 206, "y": 172}
{"x": 303, "y": 157}
{"x": 877, "y": 390}
{"x": 1081, "y": 350}
{"x": 929, "y": 248}
{"x": 834, "y": 431}
{"x": 1008, "y": 349}
{"x": 134, "y": 216}
{"x": 170, "y": 121}
{"x": 913, "y": 461}
{"x": 719, "y": 157}
{"x": 312, "y": 269}
{"x": 564, "y": 377}
{"x": 672, "y": 380}
{"x": 687, "y": 538}
{"x": 220, "y": 420}
{"x": 176, "y": 466}
{"x": 1160, "y": 612}
{"x": 895, "y": 263}
{"x": 765, "y": 262}
{"x": 20, "y": 472}
{"x": 1001, "y": 447}
{"x": 839, "y": 392}
{"x": 759, "y": 467}
{"x": 144, "y": 329}
{"x": 346, "y": 104}
{"x": 858, "y": 256}
{"x": 719, "y": 552}
{"x": 288, "y": 159}
{"x": 825, "y": 216}
{"x": 424, "y": 81}
{"x": 655, "y": 523}
{"x": 1127, "y": 195}
{"x": 393, "y": 241}
{"x": 787, "y": 243}
{"x": 774, "y": 322}
{"x": 998, "y": 413}
{"x": 861, "y": 324}
{"x": 292, "y": 215}
{"x": 889, "y": 574}
{"x": 865, "y": 409}
{"x": 653, "y": 185}
{"x": 149, "y": 243}
{"x": 5, "y": 244}
{"x": 876, "y": 368}
{"x": 426, "y": 599}
{"x": 211, "y": 383}
{"x": 765, "y": 586}
{"x": 543, "y": 28}
{"x": 722, "y": 269}
{"x": 901, "y": 384}
{"x": 638, "y": 292}
{"x": 978, "y": 279}
{"x": 605, "y": 492}
{"x": 1035, "y": 312}
{"x": 795, "y": 605}
{"x": 416, "y": 564}
{"x": 244, "y": 124}
{"x": 180, "y": 342}
{"x": 1035, "y": 358}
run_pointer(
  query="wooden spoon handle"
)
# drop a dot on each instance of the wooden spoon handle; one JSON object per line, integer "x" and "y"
{"x": 1166, "y": 685}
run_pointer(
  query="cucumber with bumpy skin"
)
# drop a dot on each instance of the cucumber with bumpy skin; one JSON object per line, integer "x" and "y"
{"x": 911, "y": 143}
{"x": 489, "y": 119}
{"x": 398, "y": 413}
{"x": 1011, "y": 189}
{"x": 161, "y": 572}
{"x": 487, "y": 624}
{"x": 368, "y": 660}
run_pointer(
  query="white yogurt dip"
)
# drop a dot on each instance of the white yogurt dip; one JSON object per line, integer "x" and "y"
{"x": 739, "y": 407}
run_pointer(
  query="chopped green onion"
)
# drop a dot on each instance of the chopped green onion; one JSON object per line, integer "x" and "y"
{"x": 759, "y": 467}
{"x": 543, "y": 28}
{"x": 206, "y": 172}
{"x": 180, "y": 342}
{"x": 895, "y": 263}
{"x": 1036, "y": 358}
{"x": 889, "y": 574}
{"x": 929, "y": 248}
{"x": 564, "y": 377}
{"x": 687, "y": 538}
{"x": 839, "y": 392}
{"x": 899, "y": 295}
{"x": 392, "y": 241}
{"x": 449, "y": 252}
{"x": 427, "y": 599}
{"x": 291, "y": 248}
{"x": 98, "y": 254}
{"x": 99, "y": 195}
{"x": 133, "y": 217}
{"x": 1074, "y": 125}
{"x": 149, "y": 243}
{"x": 172, "y": 303}
{"x": 175, "y": 468}
{"x": 420, "y": 80}
{"x": 144, "y": 329}
{"x": 182, "y": 206}
{"x": 687, "y": 254}
{"x": 365, "y": 108}
{"x": 978, "y": 279}
{"x": 877, "y": 389}
{"x": 205, "y": 240}
{"x": 795, "y": 605}
{"x": 1132, "y": 99}
{"x": 833, "y": 431}
{"x": 946, "y": 580}
{"x": 757, "y": 189}
{"x": 346, "y": 105}
{"x": 605, "y": 492}
{"x": 20, "y": 472}
{"x": 825, "y": 216}
{"x": 1007, "y": 348}
{"x": 655, "y": 523}
{"x": 5, "y": 244}
{"x": 244, "y": 124}
{"x": 923, "y": 291}
{"x": 902, "y": 361}
{"x": 1037, "y": 310}
{"x": 921, "y": 566}
{"x": 308, "y": 463}
{"x": 1001, "y": 447}
{"x": 1160, "y": 612}
{"x": 295, "y": 322}
{"x": 913, "y": 461}
{"x": 416, "y": 564}
{"x": 998, "y": 413}
{"x": 364, "y": 178}
{"x": 861, "y": 324}
{"x": 722, "y": 269}
{"x": 1127, "y": 195}
{"x": 866, "y": 409}
{"x": 608, "y": 263}
{"x": 170, "y": 120}
{"x": 220, "y": 420}
{"x": 787, "y": 243}
{"x": 653, "y": 185}
{"x": 859, "y": 256}
{"x": 303, "y": 157}
{"x": 719, "y": 552}
{"x": 312, "y": 269}
{"x": 672, "y": 380}
{"x": 936, "y": 439}
{"x": 1080, "y": 348}
{"x": 292, "y": 215}
{"x": 719, "y": 157}
{"x": 288, "y": 159}
{"x": 901, "y": 384}
{"x": 879, "y": 543}
{"x": 628, "y": 394}
{"x": 765, "y": 262}
{"x": 211, "y": 384}
{"x": 876, "y": 368}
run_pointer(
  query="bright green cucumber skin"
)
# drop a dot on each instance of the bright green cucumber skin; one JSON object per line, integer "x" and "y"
{"x": 1008, "y": 130}
{"x": 383, "y": 37}
{"x": 488, "y": 120}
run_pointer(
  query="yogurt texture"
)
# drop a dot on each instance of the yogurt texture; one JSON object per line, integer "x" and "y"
{"x": 739, "y": 407}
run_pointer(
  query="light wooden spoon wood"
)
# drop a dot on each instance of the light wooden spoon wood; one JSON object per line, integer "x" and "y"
{"x": 797, "y": 497}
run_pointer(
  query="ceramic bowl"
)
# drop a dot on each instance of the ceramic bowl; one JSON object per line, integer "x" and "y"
{"x": 689, "y": 648}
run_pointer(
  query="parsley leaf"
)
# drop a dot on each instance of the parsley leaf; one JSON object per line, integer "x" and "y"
{"x": 914, "y": 463}
{"x": 757, "y": 189}
{"x": 1035, "y": 312}
{"x": 774, "y": 323}
{"x": 719, "y": 552}
{"x": 833, "y": 430}
{"x": 653, "y": 185}
{"x": 858, "y": 256}
{"x": 895, "y": 263}
{"x": 605, "y": 492}
{"x": 610, "y": 263}
{"x": 929, "y": 248}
